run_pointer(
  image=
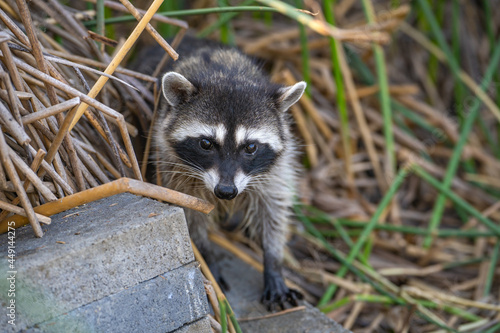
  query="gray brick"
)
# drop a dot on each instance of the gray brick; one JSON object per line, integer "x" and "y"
{"x": 162, "y": 304}
{"x": 109, "y": 245}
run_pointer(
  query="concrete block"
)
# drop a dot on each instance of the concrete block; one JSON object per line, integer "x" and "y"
{"x": 91, "y": 252}
{"x": 161, "y": 305}
{"x": 309, "y": 320}
{"x": 199, "y": 326}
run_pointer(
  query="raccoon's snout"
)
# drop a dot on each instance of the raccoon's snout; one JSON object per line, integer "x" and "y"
{"x": 226, "y": 192}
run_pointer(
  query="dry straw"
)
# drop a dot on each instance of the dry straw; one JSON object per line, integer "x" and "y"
{"x": 367, "y": 194}
{"x": 44, "y": 167}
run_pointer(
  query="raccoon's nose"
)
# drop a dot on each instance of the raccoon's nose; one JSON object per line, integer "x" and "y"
{"x": 226, "y": 192}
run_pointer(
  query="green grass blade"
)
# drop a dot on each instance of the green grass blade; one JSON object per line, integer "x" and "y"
{"x": 493, "y": 329}
{"x": 472, "y": 233}
{"x": 223, "y": 317}
{"x": 100, "y": 17}
{"x": 368, "y": 78}
{"x": 226, "y": 34}
{"x": 385, "y": 101}
{"x": 363, "y": 275}
{"x": 100, "y": 20}
{"x": 338, "y": 304}
{"x": 306, "y": 70}
{"x": 433, "y": 63}
{"x": 187, "y": 12}
{"x": 459, "y": 89}
{"x": 339, "y": 83}
{"x": 335, "y": 254}
{"x": 385, "y": 104}
{"x": 446, "y": 192}
{"x": 232, "y": 317}
{"x": 492, "y": 268}
{"x": 342, "y": 232}
{"x": 223, "y": 19}
{"x": 110, "y": 29}
{"x": 386, "y": 200}
{"x": 490, "y": 30}
{"x": 164, "y": 29}
{"x": 388, "y": 301}
{"x": 457, "y": 151}
{"x": 439, "y": 36}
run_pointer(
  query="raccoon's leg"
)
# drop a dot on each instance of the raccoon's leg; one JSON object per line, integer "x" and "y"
{"x": 274, "y": 229}
{"x": 198, "y": 230}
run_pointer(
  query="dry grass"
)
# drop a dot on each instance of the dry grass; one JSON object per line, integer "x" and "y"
{"x": 399, "y": 203}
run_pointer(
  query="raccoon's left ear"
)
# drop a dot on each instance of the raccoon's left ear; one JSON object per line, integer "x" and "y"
{"x": 176, "y": 88}
{"x": 290, "y": 95}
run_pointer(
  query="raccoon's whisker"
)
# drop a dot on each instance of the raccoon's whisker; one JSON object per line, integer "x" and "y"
{"x": 186, "y": 173}
{"x": 182, "y": 167}
{"x": 260, "y": 179}
{"x": 180, "y": 159}
{"x": 190, "y": 163}
{"x": 186, "y": 164}
{"x": 192, "y": 175}
{"x": 182, "y": 170}
{"x": 182, "y": 183}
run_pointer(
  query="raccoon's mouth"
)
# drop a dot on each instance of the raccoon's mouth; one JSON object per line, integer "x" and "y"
{"x": 225, "y": 192}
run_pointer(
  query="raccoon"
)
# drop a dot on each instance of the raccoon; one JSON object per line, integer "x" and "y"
{"x": 223, "y": 134}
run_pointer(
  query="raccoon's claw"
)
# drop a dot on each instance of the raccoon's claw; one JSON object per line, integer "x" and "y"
{"x": 276, "y": 293}
{"x": 214, "y": 268}
{"x": 273, "y": 300}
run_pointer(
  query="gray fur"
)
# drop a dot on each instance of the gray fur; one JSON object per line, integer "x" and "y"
{"x": 222, "y": 89}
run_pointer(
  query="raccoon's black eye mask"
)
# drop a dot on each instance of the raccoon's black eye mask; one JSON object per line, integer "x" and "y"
{"x": 249, "y": 149}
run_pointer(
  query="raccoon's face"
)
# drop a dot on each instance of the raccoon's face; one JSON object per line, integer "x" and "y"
{"x": 228, "y": 136}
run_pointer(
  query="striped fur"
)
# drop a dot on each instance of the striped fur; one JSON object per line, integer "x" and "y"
{"x": 218, "y": 107}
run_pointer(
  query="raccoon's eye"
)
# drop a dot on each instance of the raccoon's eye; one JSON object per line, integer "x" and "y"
{"x": 251, "y": 148}
{"x": 206, "y": 144}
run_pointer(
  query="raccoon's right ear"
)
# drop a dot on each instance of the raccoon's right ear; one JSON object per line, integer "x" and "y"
{"x": 176, "y": 88}
{"x": 290, "y": 95}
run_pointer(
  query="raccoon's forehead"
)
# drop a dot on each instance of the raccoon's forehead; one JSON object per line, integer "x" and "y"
{"x": 233, "y": 136}
{"x": 197, "y": 129}
{"x": 263, "y": 134}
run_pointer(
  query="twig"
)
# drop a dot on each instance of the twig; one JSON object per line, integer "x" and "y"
{"x": 118, "y": 186}
{"x": 11, "y": 172}
{"x": 149, "y": 28}
{"x": 117, "y": 60}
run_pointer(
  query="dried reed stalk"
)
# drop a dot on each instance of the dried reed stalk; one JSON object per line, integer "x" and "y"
{"x": 39, "y": 155}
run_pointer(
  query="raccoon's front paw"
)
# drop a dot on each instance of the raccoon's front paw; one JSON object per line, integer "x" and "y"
{"x": 276, "y": 293}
